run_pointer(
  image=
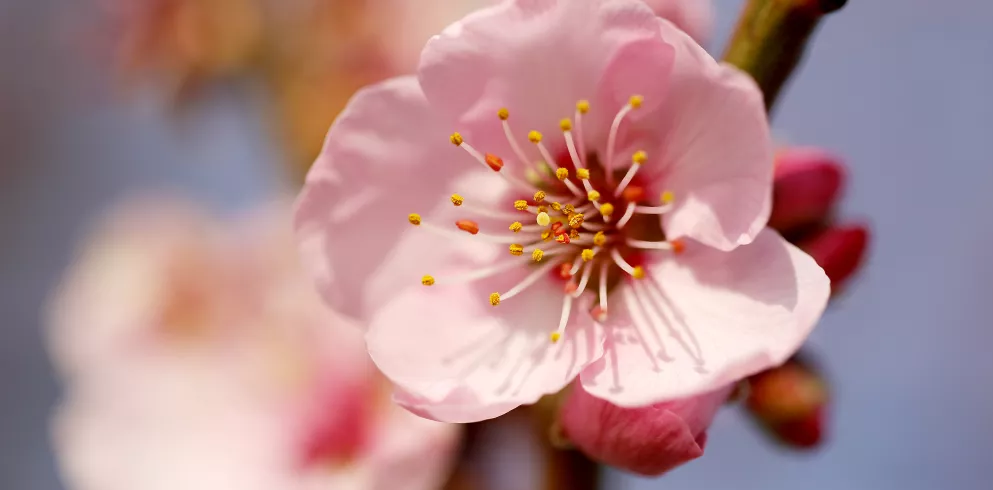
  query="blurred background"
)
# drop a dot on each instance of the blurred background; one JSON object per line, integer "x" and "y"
{"x": 901, "y": 90}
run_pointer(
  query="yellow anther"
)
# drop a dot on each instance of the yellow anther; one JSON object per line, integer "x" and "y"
{"x": 599, "y": 239}
{"x": 576, "y": 220}
{"x": 414, "y": 218}
{"x": 521, "y": 205}
{"x": 606, "y": 209}
{"x": 574, "y": 234}
{"x": 635, "y": 101}
{"x": 516, "y": 249}
{"x": 639, "y": 157}
{"x": 543, "y": 219}
{"x": 503, "y": 114}
{"x": 457, "y": 200}
{"x": 495, "y": 299}
{"x": 562, "y": 173}
{"x": 539, "y": 196}
{"x": 565, "y": 125}
{"x": 427, "y": 280}
{"x": 583, "y": 106}
{"x": 583, "y": 173}
{"x": 556, "y": 206}
{"x": 593, "y": 195}
{"x": 555, "y": 336}
{"x": 516, "y": 226}
{"x": 456, "y": 139}
{"x": 638, "y": 273}
{"x": 568, "y": 209}
{"x": 546, "y": 235}
{"x": 534, "y": 137}
{"x": 667, "y": 197}
{"x": 587, "y": 254}
{"x": 542, "y": 209}
{"x": 537, "y": 255}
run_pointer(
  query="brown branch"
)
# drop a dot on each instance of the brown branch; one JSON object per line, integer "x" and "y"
{"x": 771, "y": 37}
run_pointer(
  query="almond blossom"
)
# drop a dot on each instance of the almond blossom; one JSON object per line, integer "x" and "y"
{"x": 197, "y": 356}
{"x": 585, "y": 193}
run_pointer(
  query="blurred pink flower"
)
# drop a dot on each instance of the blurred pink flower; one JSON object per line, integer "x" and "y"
{"x": 197, "y": 356}
{"x": 696, "y": 17}
{"x": 790, "y": 402}
{"x": 648, "y": 440}
{"x": 699, "y": 293}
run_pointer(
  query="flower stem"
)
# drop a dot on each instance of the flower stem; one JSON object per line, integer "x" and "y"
{"x": 770, "y": 39}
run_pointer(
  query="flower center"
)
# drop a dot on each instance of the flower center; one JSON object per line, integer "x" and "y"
{"x": 579, "y": 218}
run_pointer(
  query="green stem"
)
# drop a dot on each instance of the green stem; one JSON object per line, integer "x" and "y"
{"x": 771, "y": 37}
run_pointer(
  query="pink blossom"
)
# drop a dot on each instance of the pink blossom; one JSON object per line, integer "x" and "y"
{"x": 808, "y": 183}
{"x": 648, "y": 440}
{"x": 636, "y": 206}
{"x": 696, "y": 17}
{"x": 197, "y": 356}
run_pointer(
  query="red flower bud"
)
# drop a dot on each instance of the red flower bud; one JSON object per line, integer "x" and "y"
{"x": 807, "y": 184}
{"x": 790, "y": 403}
{"x": 839, "y": 251}
{"x": 648, "y": 440}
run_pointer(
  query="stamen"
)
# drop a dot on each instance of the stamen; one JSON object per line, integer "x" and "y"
{"x": 468, "y": 226}
{"x": 537, "y": 255}
{"x": 521, "y": 205}
{"x": 665, "y": 208}
{"x": 516, "y": 226}
{"x": 570, "y": 143}
{"x": 628, "y": 213}
{"x": 599, "y": 239}
{"x": 587, "y": 272}
{"x": 583, "y": 173}
{"x": 646, "y": 245}
{"x": 606, "y": 209}
{"x": 516, "y": 249}
{"x": 495, "y": 299}
{"x": 457, "y": 200}
{"x": 593, "y": 196}
{"x": 636, "y": 161}
{"x": 489, "y": 160}
{"x": 539, "y": 197}
{"x": 525, "y": 283}
{"x": 625, "y": 266}
{"x": 504, "y": 114}
{"x": 535, "y": 137}
{"x": 603, "y": 291}
{"x": 543, "y": 219}
{"x": 576, "y": 220}
{"x": 563, "y": 320}
{"x": 587, "y": 254}
{"x": 633, "y": 193}
{"x": 414, "y": 219}
{"x": 427, "y": 280}
{"x": 582, "y": 107}
{"x": 633, "y": 103}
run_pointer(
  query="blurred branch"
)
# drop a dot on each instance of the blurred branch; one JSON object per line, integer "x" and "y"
{"x": 565, "y": 468}
{"x": 771, "y": 37}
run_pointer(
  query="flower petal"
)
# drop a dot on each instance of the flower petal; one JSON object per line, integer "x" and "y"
{"x": 384, "y": 157}
{"x": 717, "y": 152}
{"x": 538, "y": 58}
{"x": 459, "y": 359}
{"x": 712, "y": 318}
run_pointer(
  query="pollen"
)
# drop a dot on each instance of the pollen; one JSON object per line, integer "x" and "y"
{"x": 587, "y": 254}
{"x": 546, "y": 235}
{"x": 565, "y": 125}
{"x": 636, "y": 101}
{"x": 639, "y": 157}
{"x": 638, "y": 272}
{"x": 633, "y": 193}
{"x": 521, "y": 205}
{"x": 537, "y": 255}
{"x": 516, "y": 249}
{"x": 576, "y": 220}
{"x": 534, "y": 137}
{"x": 554, "y": 337}
{"x": 568, "y": 209}
{"x": 456, "y": 139}
{"x": 516, "y": 226}
{"x": 542, "y": 209}
{"x": 503, "y": 114}
{"x": 583, "y": 106}
{"x": 494, "y": 162}
{"x": 583, "y": 173}
{"x": 468, "y": 226}
{"x": 556, "y": 206}
{"x": 543, "y": 219}
{"x": 606, "y": 209}
{"x": 414, "y": 219}
{"x": 562, "y": 173}
{"x": 427, "y": 280}
{"x": 593, "y": 195}
{"x": 457, "y": 199}
{"x": 563, "y": 238}
{"x": 678, "y": 246}
{"x": 495, "y": 299}
{"x": 667, "y": 197}
{"x": 574, "y": 234}
{"x": 599, "y": 239}
{"x": 539, "y": 196}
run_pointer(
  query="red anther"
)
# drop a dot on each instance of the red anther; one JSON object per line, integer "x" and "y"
{"x": 556, "y": 226}
{"x": 565, "y": 270}
{"x": 571, "y": 287}
{"x": 633, "y": 193}
{"x": 495, "y": 162}
{"x": 599, "y": 313}
{"x": 563, "y": 238}
{"x": 678, "y": 246}
{"x": 468, "y": 225}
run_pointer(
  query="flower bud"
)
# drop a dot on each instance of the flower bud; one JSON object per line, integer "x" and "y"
{"x": 806, "y": 186}
{"x": 648, "y": 440}
{"x": 789, "y": 402}
{"x": 838, "y": 250}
